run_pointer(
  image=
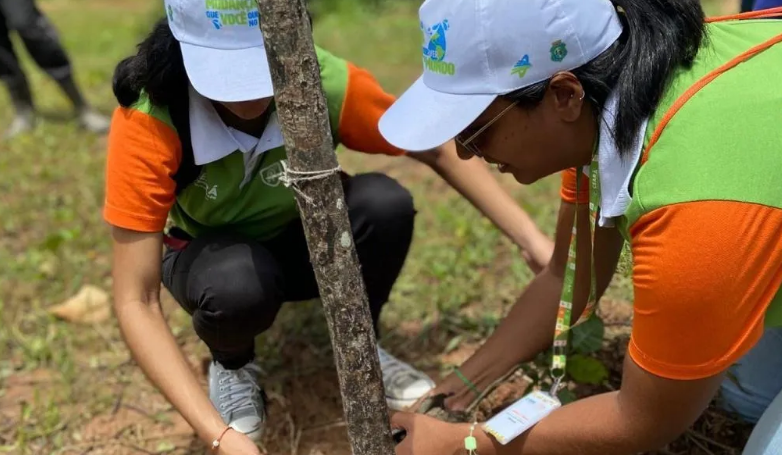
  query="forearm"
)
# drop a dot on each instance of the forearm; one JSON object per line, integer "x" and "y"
{"x": 155, "y": 350}
{"x": 527, "y": 330}
{"x": 598, "y": 425}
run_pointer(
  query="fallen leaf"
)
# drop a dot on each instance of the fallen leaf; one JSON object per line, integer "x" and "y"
{"x": 89, "y": 306}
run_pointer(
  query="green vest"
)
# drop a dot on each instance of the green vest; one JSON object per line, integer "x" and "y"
{"x": 704, "y": 154}
{"x": 260, "y": 209}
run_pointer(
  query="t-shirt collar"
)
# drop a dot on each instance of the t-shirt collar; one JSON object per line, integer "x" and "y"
{"x": 616, "y": 171}
{"x": 213, "y": 140}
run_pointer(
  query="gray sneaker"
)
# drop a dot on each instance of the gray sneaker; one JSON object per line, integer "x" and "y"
{"x": 21, "y": 124}
{"x": 93, "y": 121}
{"x": 404, "y": 384}
{"x": 238, "y": 397}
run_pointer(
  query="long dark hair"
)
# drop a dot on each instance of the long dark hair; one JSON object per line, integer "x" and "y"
{"x": 659, "y": 36}
{"x": 156, "y": 68}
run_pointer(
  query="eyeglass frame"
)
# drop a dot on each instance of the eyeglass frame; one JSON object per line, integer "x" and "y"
{"x": 467, "y": 144}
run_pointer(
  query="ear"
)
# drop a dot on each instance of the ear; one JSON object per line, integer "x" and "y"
{"x": 568, "y": 96}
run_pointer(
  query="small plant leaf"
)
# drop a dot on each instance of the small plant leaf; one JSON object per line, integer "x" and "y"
{"x": 453, "y": 344}
{"x": 566, "y": 396}
{"x": 587, "y": 338}
{"x": 586, "y": 370}
{"x": 165, "y": 447}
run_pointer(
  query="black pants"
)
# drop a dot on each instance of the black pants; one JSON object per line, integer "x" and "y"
{"x": 38, "y": 36}
{"x": 234, "y": 287}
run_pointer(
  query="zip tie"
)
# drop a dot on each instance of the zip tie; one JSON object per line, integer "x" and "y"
{"x": 291, "y": 178}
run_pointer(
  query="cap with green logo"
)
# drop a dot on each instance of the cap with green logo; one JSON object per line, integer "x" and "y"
{"x": 476, "y": 50}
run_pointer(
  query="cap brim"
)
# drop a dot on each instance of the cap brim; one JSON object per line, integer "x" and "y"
{"x": 228, "y": 75}
{"x": 422, "y": 118}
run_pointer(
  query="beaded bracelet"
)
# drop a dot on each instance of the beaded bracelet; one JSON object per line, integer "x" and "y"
{"x": 216, "y": 442}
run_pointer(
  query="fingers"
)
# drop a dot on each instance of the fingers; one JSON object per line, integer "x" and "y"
{"x": 404, "y": 448}
{"x": 402, "y": 420}
{"x": 414, "y": 407}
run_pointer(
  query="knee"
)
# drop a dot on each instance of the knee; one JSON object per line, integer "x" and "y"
{"x": 381, "y": 200}
{"x": 235, "y": 295}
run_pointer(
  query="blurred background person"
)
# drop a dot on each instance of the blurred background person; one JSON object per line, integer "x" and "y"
{"x": 41, "y": 40}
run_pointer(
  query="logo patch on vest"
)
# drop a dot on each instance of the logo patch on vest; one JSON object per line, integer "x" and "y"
{"x": 210, "y": 191}
{"x": 272, "y": 173}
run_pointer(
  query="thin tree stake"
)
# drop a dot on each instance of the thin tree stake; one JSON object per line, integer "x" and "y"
{"x": 312, "y": 173}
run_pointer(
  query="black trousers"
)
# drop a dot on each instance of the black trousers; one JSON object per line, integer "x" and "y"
{"x": 38, "y": 36}
{"x": 234, "y": 287}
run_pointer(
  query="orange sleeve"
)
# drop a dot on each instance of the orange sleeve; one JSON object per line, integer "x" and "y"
{"x": 365, "y": 102}
{"x": 567, "y": 190}
{"x": 704, "y": 274}
{"x": 143, "y": 156}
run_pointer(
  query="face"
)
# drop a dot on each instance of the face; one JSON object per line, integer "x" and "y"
{"x": 248, "y": 110}
{"x": 532, "y": 143}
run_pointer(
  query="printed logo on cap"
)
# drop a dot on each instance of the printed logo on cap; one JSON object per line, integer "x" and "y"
{"x": 558, "y": 51}
{"x": 228, "y": 13}
{"x": 521, "y": 67}
{"x": 435, "y": 49}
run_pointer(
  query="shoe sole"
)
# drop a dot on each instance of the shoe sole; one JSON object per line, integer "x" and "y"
{"x": 254, "y": 435}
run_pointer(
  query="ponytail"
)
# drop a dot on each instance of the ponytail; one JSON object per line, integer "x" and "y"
{"x": 659, "y": 37}
{"x": 157, "y": 69}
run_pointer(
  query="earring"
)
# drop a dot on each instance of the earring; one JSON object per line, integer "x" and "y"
{"x": 583, "y": 94}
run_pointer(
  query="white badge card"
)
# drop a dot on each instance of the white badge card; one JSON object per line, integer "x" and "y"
{"x": 521, "y": 416}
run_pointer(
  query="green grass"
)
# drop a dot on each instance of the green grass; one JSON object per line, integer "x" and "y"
{"x": 461, "y": 275}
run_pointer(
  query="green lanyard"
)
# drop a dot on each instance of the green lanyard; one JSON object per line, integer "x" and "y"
{"x": 559, "y": 358}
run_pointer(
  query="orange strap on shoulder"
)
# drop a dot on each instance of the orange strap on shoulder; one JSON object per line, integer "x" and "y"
{"x": 705, "y": 80}
{"x": 759, "y": 14}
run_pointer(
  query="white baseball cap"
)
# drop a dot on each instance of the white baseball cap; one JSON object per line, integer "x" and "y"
{"x": 222, "y": 46}
{"x": 476, "y": 50}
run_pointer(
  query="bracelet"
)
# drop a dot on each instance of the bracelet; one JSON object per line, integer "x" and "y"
{"x": 216, "y": 442}
{"x": 467, "y": 382}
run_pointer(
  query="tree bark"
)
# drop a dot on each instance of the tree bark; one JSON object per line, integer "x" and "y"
{"x": 303, "y": 115}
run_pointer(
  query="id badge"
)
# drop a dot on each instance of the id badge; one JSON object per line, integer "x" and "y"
{"x": 521, "y": 416}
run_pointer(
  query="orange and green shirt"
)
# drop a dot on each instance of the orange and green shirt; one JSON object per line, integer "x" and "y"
{"x": 705, "y": 220}
{"x": 232, "y": 193}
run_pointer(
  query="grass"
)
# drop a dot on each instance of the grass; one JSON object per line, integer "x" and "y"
{"x": 73, "y": 389}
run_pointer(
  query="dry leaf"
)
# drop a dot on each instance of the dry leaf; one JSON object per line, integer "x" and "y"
{"x": 89, "y": 306}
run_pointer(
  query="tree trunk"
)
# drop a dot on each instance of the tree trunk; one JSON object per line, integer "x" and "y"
{"x": 303, "y": 115}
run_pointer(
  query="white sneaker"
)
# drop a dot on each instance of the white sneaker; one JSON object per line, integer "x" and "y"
{"x": 94, "y": 122}
{"x": 238, "y": 397}
{"x": 404, "y": 384}
{"x": 21, "y": 124}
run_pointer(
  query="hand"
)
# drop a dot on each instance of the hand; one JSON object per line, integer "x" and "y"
{"x": 236, "y": 443}
{"x": 419, "y": 440}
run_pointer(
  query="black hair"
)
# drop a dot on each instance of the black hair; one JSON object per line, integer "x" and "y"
{"x": 659, "y": 37}
{"x": 157, "y": 68}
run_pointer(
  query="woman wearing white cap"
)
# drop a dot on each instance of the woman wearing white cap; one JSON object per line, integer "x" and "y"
{"x": 675, "y": 123}
{"x": 197, "y": 139}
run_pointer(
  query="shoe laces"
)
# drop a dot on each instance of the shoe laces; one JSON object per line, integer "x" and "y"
{"x": 396, "y": 373}
{"x": 239, "y": 388}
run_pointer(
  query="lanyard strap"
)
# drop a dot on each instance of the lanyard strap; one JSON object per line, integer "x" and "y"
{"x": 561, "y": 332}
